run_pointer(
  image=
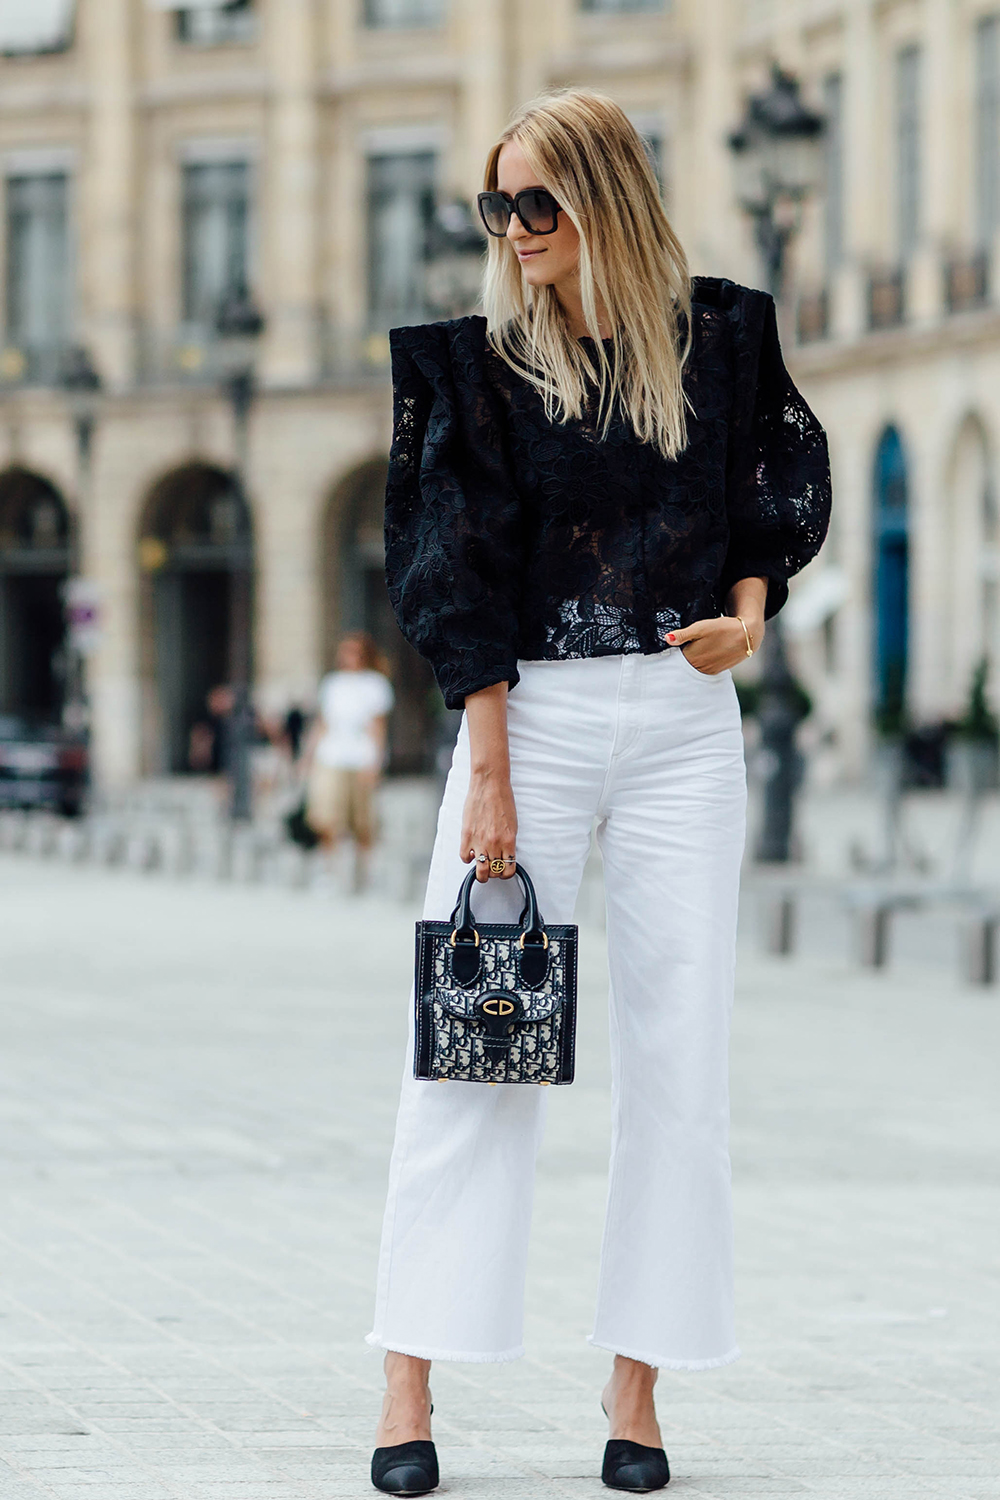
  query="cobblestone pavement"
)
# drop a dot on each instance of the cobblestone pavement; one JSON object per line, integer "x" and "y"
{"x": 197, "y": 1087}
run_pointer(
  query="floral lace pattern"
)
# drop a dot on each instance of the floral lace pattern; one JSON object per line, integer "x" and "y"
{"x": 509, "y": 536}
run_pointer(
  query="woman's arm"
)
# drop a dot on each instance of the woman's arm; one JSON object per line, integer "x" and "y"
{"x": 713, "y": 645}
{"x": 489, "y": 824}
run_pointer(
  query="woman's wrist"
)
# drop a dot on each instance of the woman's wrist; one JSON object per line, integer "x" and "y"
{"x": 491, "y": 770}
{"x": 753, "y": 620}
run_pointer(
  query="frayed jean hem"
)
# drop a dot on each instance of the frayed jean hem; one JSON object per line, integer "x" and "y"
{"x": 659, "y": 1363}
{"x": 502, "y": 1356}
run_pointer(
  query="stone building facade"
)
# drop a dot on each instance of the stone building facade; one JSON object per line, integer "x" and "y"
{"x": 156, "y": 159}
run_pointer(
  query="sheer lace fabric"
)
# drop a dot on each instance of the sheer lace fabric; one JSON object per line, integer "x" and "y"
{"x": 508, "y": 536}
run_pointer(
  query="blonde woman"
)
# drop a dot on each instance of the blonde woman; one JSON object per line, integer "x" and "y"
{"x": 597, "y": 495}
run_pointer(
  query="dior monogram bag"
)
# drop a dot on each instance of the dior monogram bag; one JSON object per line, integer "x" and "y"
{"x": 495, "y": 1001}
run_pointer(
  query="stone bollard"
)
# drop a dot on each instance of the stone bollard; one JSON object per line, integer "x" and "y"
{"x": 246, "y": 855}
{"x": 107, "y": 842}
{"x": 212, "y": 850}
{"x": 779, "y": 922}
{"x": 73, "y": 840}
{"x": 290, "y": 866}
{"x": 175, "y": 848}
{"x": 979, "y": 948}
{"x": 43, "y": 831}
{"x": 873, "y": 921}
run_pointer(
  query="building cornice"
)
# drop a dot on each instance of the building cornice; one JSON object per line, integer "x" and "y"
{"x": 419, "y": 68}
{"x": 897, "y": 346}
{"x": 205, "y": 88}
{"x": 41, "y": 403}
{"x": 632, "y": 56}
{"x": 55, "y": 96}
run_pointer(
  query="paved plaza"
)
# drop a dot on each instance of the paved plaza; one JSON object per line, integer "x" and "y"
{"x": 197, "y": 1089}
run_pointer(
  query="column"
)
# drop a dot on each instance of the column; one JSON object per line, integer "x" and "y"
{"x": 484, "y": 42}
{"x": 939, "y": 178}
{"x": 716, "y": 235}
{"x": 862, "y": 159}
{"x": 106, "y": 226}
{"x": 289, "y": 217}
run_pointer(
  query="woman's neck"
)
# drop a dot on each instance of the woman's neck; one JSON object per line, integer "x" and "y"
{"x": 571, "y": 302}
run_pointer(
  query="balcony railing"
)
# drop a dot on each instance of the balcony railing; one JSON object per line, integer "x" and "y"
{"x": 967, "y": 283}
{"x": 813, "y": 316}
{"x": 622, "y": 7}
{"x": 402, "y": 14}
{"x": 212, "y": 26}
{"x": 886, "y": 299}
{"x": 193, "y": 356}
{"x": 34, "y": 364}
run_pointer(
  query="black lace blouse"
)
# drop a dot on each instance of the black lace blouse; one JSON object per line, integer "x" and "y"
{"x": 508, "y": 536}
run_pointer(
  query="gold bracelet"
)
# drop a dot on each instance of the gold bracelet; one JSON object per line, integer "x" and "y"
{"x": 750, "y": 646}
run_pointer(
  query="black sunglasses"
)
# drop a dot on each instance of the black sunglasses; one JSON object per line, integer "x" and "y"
{"x": 536, "y": 208}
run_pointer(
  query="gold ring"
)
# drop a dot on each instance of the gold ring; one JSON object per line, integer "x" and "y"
{"x": 497, "y": 866}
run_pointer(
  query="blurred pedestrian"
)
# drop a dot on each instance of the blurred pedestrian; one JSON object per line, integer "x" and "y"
{"x": 293, "y": 729}
{"x": 596, "y": 495}
{"x": 346, "y": 749}
{"x": 208, "y": 739}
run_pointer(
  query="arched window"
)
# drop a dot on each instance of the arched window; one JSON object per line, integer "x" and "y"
{"x": 890, "y": 591}
{"x": 34, "y": 563}
{"x": 196, "y": 559}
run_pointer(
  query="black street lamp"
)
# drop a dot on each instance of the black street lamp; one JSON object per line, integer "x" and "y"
{"x": 239, "y": 324}
{"x": 778, "y": 162}
{"x": 82, "y": 385}
{"x": 453, "y": 260}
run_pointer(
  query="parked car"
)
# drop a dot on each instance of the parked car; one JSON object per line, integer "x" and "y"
{"x": 42, "y": 765}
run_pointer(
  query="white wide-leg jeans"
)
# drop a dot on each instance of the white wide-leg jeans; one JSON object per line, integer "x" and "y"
{"x": 653, "y": 750}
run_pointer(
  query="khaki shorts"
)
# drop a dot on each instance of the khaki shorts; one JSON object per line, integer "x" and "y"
{"x": 339, "y": 802}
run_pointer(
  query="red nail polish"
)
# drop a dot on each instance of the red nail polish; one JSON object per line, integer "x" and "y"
{"x": 670, "y": 635}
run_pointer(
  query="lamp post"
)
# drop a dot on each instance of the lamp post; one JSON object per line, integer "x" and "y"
{"x": 453, "y": 261}
{"x": 777, "y": 164}
{"x": 82, "y": 384}
{"x": 239, "y": 324}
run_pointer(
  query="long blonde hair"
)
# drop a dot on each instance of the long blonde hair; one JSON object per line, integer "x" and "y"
{"x": 588, "y": 153}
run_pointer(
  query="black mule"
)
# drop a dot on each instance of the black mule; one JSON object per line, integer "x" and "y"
{"x": 405, "y": 1469}
{"x": 631, "y": 1466}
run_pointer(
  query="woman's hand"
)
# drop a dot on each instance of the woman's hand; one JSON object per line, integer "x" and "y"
{"x": 713, "y": 645}
{"x": 489, "y": 823}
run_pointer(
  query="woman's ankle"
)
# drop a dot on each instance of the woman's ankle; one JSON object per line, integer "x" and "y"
{"x": 406, "y": 1406}
{"x": 628, "y": 1400}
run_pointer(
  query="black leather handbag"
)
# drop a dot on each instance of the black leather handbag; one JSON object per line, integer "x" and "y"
{"x": 495, "y": 1001}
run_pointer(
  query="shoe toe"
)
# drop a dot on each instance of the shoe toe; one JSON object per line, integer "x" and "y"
{"x": 634, "y": 1468}
{"x": 639, "y": 1478}
{"x": 407, "y": 1479}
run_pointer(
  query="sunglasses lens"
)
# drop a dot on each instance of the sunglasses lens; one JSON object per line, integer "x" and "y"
{"x": 537, "y": 210}
{"x": 494, "y": 210}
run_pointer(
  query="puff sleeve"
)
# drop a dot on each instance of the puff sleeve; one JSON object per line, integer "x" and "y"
{"x": 778, "y": 489}
{"x": 452, "y": 516}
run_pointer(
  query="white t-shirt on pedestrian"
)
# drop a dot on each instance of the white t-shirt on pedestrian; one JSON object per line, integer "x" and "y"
{"x": 348, "y": 702}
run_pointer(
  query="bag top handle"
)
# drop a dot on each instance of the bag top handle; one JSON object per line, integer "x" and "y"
{"x": 530, "y": 921}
